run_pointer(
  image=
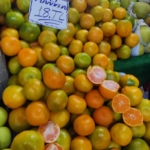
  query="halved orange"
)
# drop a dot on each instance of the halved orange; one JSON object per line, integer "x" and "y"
{"x": 109, "y": 89}
{"x": 133, "y": 117}
{"x": 120, "y": 103}
{"x": 50, "y": 131}
{"x": 96, "y": 74}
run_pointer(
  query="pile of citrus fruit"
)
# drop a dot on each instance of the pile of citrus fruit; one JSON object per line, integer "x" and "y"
{"x": 63, "y": 92}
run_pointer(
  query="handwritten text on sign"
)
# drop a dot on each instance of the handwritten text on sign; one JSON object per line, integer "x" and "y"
{"x": 53, "y": 13}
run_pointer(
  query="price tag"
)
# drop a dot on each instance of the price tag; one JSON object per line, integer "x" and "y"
{"x": 53, "y": 13}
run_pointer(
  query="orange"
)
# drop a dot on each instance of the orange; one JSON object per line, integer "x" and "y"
{"x": 82, "y": 83}
{"x": 81, "y": 143}
{"x": 13, "y": 65}
{"x": 82, "y": 35}
{"x": 80, "y": 5}
{"x": 64, "y": 139}
{"x": 76, "y": 104}
{"x": 108, "y": 89}
{"x": 144, "y": 108}
{"x": 147, "y": 132}
{"x": 104, "y": 47}
{"x": 132, "y": 40}
{"x": 120, "y": 103}
{"x": 27, "y": 73}
{"x": 54, "y": 75}
{"x": 10, "y": 45}
{"x": 103, "y": 116}
{"x": 53, "y": 131}
{"x": 137, "y": 143}
{"x": 108, "y": 29}
{"x": 65, "y": 63}
{"x": 110, "y": 64}
{"x": 101, "y": 60}
{"x": 124, "y": 28}
{"x": 111, "y": 75}
{"x": 78, "y": 71}
{"x": 133, "y": 93}
{"x": 37, "y": 113}
{"x": 139, "y": 131}
{"x": 90, "y": 48}
{"x": 132, "y": 117}
{"x": 9, "y": 32}
{"x": 100, "y": 138}
{"x": 87, "y": 21}
{"x": 13, "y": 80}
{"x": 34, "y": 89}
{"x": 82, "y": 60}
{"x": 84, "y": 125}
{"x": 108, "y": 15}
{"x": 17, "y": 120}
{"x": 96, "y": 74}
{"x": 69, "y": 87}
{"x": 14, "y": 19}
{"x": 64, "y": 37}
{"x": 71, "y": 27}
{"x": 40, "y": 60}
{"x": 114, "y": 20}
{"x": 123, "y": 52}
{"x": 33, "y": 139}
{"x": 121, "y": 134}
{"x": 57, "y": 100}
{"x": 95, "y": 34}
{"x": 53, "y": 146}
{"x": 129, "y": 80}
{"x": 92, "y": 2}
{"x": 115, "y": 41}
{"x": 73, "y": 15}
{"x": 97, "y": 12}
{"x": 29, "y": 31}
{"x": 119, "y": 13}
{"x": 50, "y": 51}
{"x": 23, "y": 6}
{"x": 112, "y": 56}
{"x": 61, "y": 117}
{"x": 104, "y": 3}
{"x": 63, "y": 50}
{"x": 54, "y": 30}
{"x": 27, "y": 57}
{"x": 114, "y": 146}
{"x": 94, "y": 99}
{"x": 13, "y": 96}
{"x": 45, "y": 37}
{"x": 24, "y": 44}
{"x": 75, "y": 47}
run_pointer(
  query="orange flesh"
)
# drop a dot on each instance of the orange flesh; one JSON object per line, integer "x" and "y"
{"x": 120, "y": 103}
{"x": 50, "y": 131}
{"x": 111, "y": 85}
{"x": 133, "y": 117}
{"x": 96, "y": 74}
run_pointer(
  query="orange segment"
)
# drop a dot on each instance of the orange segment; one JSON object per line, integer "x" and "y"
{"x": 120, "y": 103}
{"x": 133, "y": 117}
{"x": 109, "y": 89}
{"x": 96, "y": 74}
{"x": 49, "y": 131}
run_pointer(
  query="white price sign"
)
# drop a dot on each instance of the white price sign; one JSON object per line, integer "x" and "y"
{"x": 53, "y": 13}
